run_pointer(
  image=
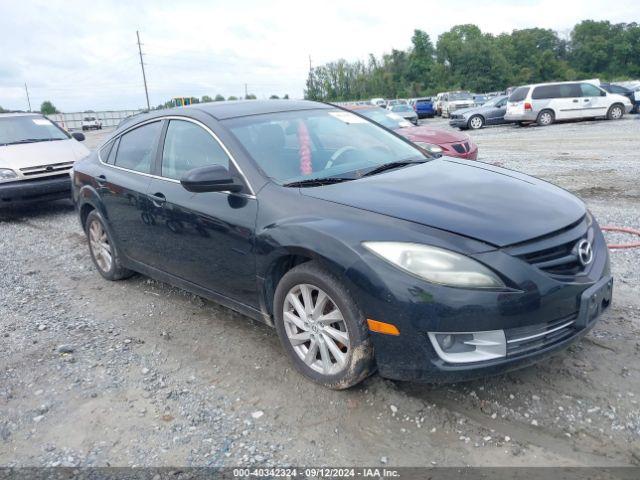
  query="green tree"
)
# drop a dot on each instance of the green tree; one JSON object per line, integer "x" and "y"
{"x": 2, "y": 110}
{"x": 232, "y": 98}
{"x": 48, "y": 108}
{"x": 219, "y": 98}
{"x": 206, "y": 99}
{"x": 249, "y": 96}
{"x": 286, "y": 96}
{"x": 274, "y": 97}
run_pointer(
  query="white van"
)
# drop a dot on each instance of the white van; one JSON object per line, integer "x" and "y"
{"x": 544, "y": 103}
{"x": 36, "y": 158}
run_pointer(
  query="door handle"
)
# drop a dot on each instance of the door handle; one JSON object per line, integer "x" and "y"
{"x": 575, "y": 100}
{"x": 158, "y": 198}
{"x": 586, "y": 100}
{"x": 101, "y": 179}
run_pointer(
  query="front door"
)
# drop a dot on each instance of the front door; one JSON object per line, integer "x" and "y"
{"x": 594, "y": 101}
{"x": 204, "y": 238}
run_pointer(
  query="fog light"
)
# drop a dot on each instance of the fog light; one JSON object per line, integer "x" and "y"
{"x": 468, "y": 347}
{"x": 447, "y": 342}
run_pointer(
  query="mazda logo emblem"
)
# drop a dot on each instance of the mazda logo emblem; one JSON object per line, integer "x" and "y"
{"x": 585, "y": 252}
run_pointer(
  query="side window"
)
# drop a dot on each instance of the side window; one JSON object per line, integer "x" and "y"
{"x": 589, "y": 90}
{"x": 105, "y": 151}
{"x": 188, "y": 146}
{"x": 137, "y": 148}
{"x": 111, "y": 159}
{"x": 547, "y": 91}
{"x": 569, "y": 90}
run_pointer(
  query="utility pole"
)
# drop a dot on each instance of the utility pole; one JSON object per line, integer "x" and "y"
{"x": 144, "y": 77}
{"x": 28, "y": 99}
{"x": 246, "y": 92}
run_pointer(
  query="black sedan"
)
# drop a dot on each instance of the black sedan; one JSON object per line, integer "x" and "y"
{"x": 361, "y": 249}
{"x": 489, "y": 113}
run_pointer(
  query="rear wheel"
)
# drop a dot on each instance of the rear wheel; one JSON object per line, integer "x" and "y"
{"x": 545, "y": 117}
{"x": 103, "y": 249}
{"x": 476, "y": 122}
{"x": 616, "y": 111}
{"x": 321, "y": 328}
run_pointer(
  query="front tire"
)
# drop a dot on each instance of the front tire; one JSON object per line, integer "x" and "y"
{"x": 321, "y": 327}
{"x": 615, "y": 112}
{"x": 104, "y": 252}
{"x": 545, "y": 118}
{"x": 476, "y": 122}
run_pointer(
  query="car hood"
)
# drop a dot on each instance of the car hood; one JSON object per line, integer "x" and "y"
{"x": 491, "y": 204}
{"x": 432, "y": 135}
{"x": 41, "y": 153}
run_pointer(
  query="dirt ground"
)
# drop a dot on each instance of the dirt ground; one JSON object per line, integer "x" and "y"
{"x": 138, "y": 373}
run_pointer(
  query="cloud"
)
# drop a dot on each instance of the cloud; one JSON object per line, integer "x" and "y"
{"x": 83, "y": 55}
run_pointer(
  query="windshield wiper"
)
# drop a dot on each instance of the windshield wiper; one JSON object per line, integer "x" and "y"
{"x": 391, "y": 165}
{"x": 316, "y": 182}
{"x": 31, "y": 140}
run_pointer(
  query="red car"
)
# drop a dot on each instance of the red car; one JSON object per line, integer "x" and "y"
{"x": 451, "y": 143}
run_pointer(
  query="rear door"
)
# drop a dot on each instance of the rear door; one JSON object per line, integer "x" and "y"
{"x": 594, "y": 101}
{"x": 515, "y": 103}
{"x": 123, "y": 187}
{"x": 204, "y": 238}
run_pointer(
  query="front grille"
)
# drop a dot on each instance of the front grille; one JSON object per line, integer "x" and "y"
{"x": 523, "y": 340}
{"x": 558, "y": 260}
{"x": 46, "y": 169}
{"x": 461, "y": 147}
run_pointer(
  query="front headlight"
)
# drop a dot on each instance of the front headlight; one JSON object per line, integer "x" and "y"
{"x": 436, "y": 265}
{"x": 430, "y": 147}
{"x": 7, "y": 175}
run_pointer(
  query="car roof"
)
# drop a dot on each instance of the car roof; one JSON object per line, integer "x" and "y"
{"x": 242, "y": 108}
{"x": 229, "y": 109}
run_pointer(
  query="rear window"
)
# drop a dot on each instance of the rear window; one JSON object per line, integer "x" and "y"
{"x": 519, "y": 94}
{"x": 137, "y": 148}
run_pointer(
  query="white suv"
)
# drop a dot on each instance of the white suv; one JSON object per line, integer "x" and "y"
{"x": 544, "y": 103}
{"x": 36, "y": 158}
{"x": 91, "y": 123}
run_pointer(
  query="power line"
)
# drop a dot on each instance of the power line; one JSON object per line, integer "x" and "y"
{"x": 28, "y": 99}
{"x": 144, "y": 77}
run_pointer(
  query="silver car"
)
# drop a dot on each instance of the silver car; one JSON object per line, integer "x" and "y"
{"x": 36, "y": 158}
{"x": 405, "y": 111}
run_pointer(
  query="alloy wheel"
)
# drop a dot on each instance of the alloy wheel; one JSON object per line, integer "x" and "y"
{"x": 100, "y": 247}
{"x": 545, "y": 118}
{"x": 316, "y": 329}
{"x": 616, "y": 113}
{"x": 476, "y": 122}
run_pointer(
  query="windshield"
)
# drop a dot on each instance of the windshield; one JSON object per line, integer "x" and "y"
{"x": 318, "y": 144}
{"x": 460, "y": 96}
{"x": 401, "y": 108}
{"x": 493, "y": 101}
{"x": 28, "y": 129}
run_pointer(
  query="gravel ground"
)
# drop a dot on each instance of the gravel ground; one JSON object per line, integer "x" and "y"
{"x": 96, "y": 373}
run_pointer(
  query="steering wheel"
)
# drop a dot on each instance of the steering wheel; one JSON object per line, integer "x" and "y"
{"x": 337, "y": 154}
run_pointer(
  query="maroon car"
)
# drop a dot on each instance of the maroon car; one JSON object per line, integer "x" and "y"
{"x": 451, "y": 143}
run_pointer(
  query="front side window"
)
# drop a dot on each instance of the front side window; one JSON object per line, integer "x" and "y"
{"x": 589, "y": 90}
{"x": 318, "y": 144}
{"x": 188, "y": 146}
{"x": 137, "y": 148}
{"x": 29, "y": 129}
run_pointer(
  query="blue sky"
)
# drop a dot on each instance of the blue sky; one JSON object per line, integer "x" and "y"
{"x": 83, "y": 55}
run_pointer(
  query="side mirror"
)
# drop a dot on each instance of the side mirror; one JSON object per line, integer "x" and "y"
{"x": 79, "y": 136}
{"x": 212, "y": 178}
